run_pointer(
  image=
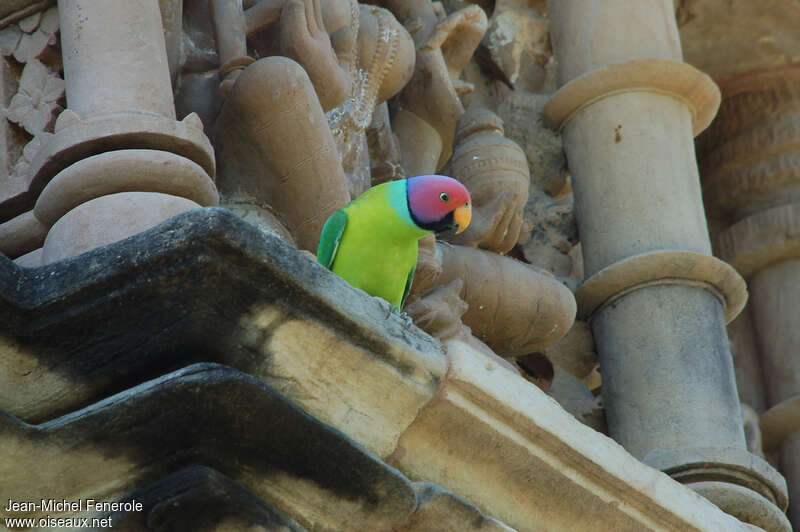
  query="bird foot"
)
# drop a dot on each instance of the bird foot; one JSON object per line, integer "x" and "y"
{"x": 407, "y": 320}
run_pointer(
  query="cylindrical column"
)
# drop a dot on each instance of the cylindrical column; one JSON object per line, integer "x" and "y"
{"x": 775, "y": 299}
{"x": 94, "y": 189}
{"x": 639, "y": 190}
{"x": 750, "y": 165}
{"x": 665, "y": 351}
{"x": 231, "y": 38}
{"x": 115, "y": 57}
{"x": 657, "y": 301}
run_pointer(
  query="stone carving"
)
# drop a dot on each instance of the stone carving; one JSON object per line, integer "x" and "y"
{"x": 439, "y": 314}
{"x": 34, "y": 104}
{"x": 260, "y": 161}
{"x": 31, "y": 36}
{"x": 380, "y": 65}
{"x": 300, "y": 125}
{"x": 28, "y": 153}
{"x": 495, "y": 171}
{"x": 429, "y": 107}
{"x": 31, "y": 41}
{"x": 517, "y": 45}
{"x": 500, "y": 292}
{"x": 367, "y": 60}
{"x": 89, "y": 188}
{"x": 384, "y": 150}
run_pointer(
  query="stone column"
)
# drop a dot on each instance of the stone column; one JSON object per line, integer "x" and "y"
{"x": 657, "y": 300}
{"x": 118, "y": 162}
{"x": 750, "y": 164}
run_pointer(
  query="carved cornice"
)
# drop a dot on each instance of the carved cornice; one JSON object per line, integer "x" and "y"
{"x": 750, "y": 156}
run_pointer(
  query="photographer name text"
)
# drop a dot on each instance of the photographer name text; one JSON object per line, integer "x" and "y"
{"x": 63, "y": 505}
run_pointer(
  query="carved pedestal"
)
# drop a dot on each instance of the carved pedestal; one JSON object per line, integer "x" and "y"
{"x": 657, "y": 300}
{"x": 750, "y": 164}
{"x": 118, "y": 162}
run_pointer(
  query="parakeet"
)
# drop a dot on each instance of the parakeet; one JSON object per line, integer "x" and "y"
{"x": 372, "y": 241}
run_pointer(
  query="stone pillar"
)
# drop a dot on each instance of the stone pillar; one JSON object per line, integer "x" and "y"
{"x": 118, "y": 162}
{"x": 657, "y": 300}
{"x": 750, "y": 164}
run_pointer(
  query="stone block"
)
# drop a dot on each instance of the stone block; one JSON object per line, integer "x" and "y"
{"x": 205, "y": 414}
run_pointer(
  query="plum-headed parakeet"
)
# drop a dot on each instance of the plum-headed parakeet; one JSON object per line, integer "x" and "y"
{"x": 372, "y": 241}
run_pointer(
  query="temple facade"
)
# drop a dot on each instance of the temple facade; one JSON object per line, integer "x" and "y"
{"x": 612, "y": 344}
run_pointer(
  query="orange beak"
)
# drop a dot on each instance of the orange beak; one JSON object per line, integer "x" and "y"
{"x": 462, "y": 216}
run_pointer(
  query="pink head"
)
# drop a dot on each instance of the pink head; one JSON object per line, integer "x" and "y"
{"x": 438, "y": 203}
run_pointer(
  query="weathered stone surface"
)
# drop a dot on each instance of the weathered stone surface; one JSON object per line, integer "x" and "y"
{"x": 9, "y": 38}
{"x": 324, "y": 345}
{"x": 518, "y": 45}
{"x": 724, "y": 38}
{"x": 39, "y": 91}
{"x": 443, "y": 511}
{"x": 207, "y": 414}
{"x": 10, "y": 7}
{"x": 578, "y": 400}
{"x": 216, "y": 289}
{"x": 521, "y": 112}
{"x": 499, "y": 442}
{"x": 199, "y": 498}
{"x": 76, "y": 139}
{"x": 748, "y": 157}
{"x": 575, "y": 352}
{"x": 553, "y": 233}
{"x": 746, "y": 361}
{"x": 39, "y": 32}
{"x": 107, "y": 219}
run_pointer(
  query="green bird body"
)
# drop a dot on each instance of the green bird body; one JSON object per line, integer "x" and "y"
{"x": 372, "y": 243}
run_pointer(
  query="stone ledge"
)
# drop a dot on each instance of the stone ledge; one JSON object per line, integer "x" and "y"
{"x": 199, "y": 498}
{"x": 492, "y": 438}
{"x": 442, "y": 511}
{"x": 230, "y": 292}
{"x": 206, "y": 286}
{"x": 206, "y": 414}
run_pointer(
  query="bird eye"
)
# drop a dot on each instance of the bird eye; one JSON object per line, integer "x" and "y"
{"x": 444, "y": 197}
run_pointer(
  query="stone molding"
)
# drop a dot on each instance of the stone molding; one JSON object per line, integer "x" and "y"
{"x": 124, "y": 171}
{"x": 749, "y": 156}
{"x": 248, "y": 430}
{"x": 663, "y": 266}
{"x": 663, "y": 76}
{"x": 761, "y": 239}
{"x": 722, "y": 464}
{"x": 76, "y": 139}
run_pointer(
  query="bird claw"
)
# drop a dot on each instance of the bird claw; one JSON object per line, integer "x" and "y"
{"x": 407, "y": 320}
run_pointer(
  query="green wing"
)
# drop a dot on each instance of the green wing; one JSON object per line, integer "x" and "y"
{"x": 331, "y": 236}
{"x": 409, "y": 282}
